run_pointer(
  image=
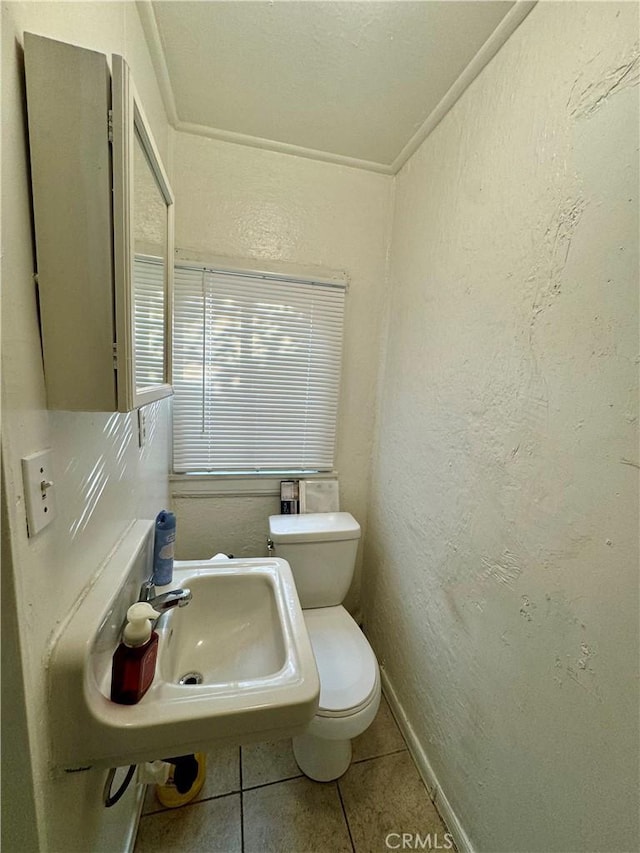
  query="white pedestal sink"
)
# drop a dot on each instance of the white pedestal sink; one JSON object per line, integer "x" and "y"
{"x": 234, "y": 665}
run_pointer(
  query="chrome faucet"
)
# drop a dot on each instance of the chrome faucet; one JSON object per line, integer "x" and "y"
{"x": 166, "y": 600}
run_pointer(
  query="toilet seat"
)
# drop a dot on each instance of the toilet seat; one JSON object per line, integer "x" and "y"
{"x": 348, "y": 669}
{"x": 373, "y": 698}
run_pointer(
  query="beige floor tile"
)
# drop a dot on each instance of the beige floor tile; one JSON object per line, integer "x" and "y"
{"x": 214, "y": 825}
{"x": 386, "y": 795}
{"x": 298, "y": 816}
{"x": 268, "y": 762}
{"x": 223, "y": 777}
{"x": 382, "y": 737}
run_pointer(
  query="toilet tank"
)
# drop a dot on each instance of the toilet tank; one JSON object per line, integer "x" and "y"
{"x": 321, "y": 549}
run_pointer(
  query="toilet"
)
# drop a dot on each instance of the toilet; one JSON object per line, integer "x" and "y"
{"x": 321, "y": 550}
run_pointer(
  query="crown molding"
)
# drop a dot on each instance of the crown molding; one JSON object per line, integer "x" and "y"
{"x": 281, "y": 147}
{"x": 507, "y": 26}
{"x": 158, "y": 60}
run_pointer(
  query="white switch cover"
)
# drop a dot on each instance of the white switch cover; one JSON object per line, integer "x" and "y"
{"x": 37, "y": 476}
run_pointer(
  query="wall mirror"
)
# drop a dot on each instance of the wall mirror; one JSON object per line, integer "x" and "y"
{"x": 143, "y": 251}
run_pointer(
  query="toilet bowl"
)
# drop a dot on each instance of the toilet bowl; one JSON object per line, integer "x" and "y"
{"x": 349, "y": 693}
{"x": 321, "y": 550}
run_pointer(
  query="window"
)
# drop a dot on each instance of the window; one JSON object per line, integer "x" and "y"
{"x": 256, "y": 372}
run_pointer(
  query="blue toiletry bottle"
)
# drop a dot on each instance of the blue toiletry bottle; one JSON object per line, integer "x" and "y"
{"x": 163, "y": 549}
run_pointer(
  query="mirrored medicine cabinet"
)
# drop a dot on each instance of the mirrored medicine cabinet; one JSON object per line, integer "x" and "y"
{"x": 103, "y": 215}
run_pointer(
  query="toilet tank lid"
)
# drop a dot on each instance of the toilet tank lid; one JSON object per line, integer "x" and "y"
{"x": 313, "y": 527}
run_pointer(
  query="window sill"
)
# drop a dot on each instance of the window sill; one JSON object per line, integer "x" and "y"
{"x": 235, "y": 485}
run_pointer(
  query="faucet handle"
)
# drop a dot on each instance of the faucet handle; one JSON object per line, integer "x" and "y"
{"x": 147, "y": 591}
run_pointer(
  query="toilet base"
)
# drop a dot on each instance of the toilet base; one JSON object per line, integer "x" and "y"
{"x": 320, "y": 759}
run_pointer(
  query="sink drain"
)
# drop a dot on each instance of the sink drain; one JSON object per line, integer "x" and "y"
{"x": 191, "y": 678}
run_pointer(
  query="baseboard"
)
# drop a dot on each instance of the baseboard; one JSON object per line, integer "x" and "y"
{"x": 425, "y": 769}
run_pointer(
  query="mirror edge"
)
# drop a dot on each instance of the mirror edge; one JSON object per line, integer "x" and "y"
{"x": 127, "y": 117}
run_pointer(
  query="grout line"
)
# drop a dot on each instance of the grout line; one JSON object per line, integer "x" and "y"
{"x": 382, "y": 755}
{"x": 275, "y": 782}
{"x": 344, "y": 812}
{"x": 241, "y": 800}
{"x": 162, "y": 809}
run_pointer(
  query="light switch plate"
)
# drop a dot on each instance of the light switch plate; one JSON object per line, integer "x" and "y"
{"x": 37, "y": 476}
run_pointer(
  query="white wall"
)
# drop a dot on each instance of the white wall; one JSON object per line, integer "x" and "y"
{"x": 288, "y": 212}
{"x": 502, "y": 554}
{"x": 103, "y": 481}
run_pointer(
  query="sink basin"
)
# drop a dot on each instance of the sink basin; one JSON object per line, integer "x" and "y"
{"x": 235, "y": 665}
{"x": 229, "y": 634}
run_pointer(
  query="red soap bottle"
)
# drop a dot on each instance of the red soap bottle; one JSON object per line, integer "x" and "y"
{"x": 134, "y": 661}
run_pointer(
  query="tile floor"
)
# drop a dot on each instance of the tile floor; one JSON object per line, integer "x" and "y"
{"x": 256, "y": 800}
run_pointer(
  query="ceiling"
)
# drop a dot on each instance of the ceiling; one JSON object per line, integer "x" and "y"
{"x": 360, "y": 83}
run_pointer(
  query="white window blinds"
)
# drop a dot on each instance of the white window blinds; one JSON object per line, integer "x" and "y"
{"x": 256, "y": 372}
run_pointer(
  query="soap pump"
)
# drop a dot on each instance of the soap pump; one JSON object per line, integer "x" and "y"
{"x": 134, "y": 661}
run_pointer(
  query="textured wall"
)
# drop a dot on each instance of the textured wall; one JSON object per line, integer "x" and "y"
{"x": 243, "y": 203}
{"x": 502, "y": 555}
{"x": 232, "y": 525}
{"x": 103, "y": 481}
